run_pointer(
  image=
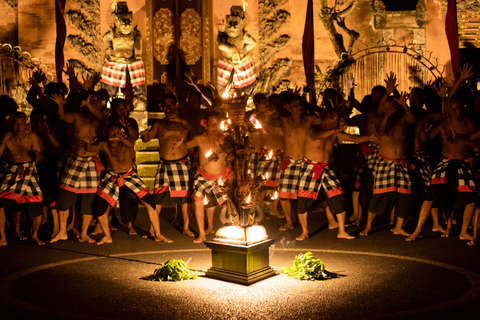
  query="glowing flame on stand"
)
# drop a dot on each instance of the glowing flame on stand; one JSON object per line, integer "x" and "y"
{"x": 257, "y": 125}
{"x": 225, "y": 95}
{"x": 205, "y": 201}
{"x": 275, "y": 195}
{"x": 209, "y": 153}
{"x": 266, "y": 176}
{"x": 248, "y": 199}
{"x": 270, "y": 155}
{"x": 222, "y": 125}
{"x": 220, "y": 182}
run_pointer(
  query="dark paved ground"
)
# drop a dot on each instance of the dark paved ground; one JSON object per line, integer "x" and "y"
{"x": 380, "y": 277}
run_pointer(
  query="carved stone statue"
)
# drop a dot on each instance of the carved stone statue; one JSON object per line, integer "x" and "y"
{"x": 123, "y": 56}
{"x": 235, "y": 69}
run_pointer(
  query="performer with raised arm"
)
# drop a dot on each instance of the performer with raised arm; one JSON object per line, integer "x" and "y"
{"x": 317, "y": 174}
{"x": 121, "y": 177}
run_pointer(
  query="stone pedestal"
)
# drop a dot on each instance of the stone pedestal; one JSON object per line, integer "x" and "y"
{"x": 240, "y": 264}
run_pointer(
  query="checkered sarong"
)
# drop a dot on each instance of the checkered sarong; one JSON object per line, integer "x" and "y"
{"x": 20, "y": 183}
{"x": 255, "y": 168}
{"x": 273, "y": 170}
{"x": 244, "y": 72}
{"x": 466, "y": 175}
{"x": 206, "y": 183}
{"x": 114, "y": 73}
{"x": 288, "y": 184}
{"x": 364, "y": 173}
{"x": 424, "y": 170}
{"x": 173, "y": 176}
{"x": 81, "y": 174}
{"x": 109, "y": 188}
{"x": 316, "y": 175}
{"x": 392, "y": 176}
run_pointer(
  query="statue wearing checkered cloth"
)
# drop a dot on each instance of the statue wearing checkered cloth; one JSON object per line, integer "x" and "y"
{"x": 123, "y": 63}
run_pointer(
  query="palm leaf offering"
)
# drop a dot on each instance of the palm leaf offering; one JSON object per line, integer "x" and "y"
{"x": 306, "y": 267}
{"x": 173, "y": 270}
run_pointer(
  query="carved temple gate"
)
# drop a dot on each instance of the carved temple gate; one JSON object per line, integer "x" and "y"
{"x": 178, "y": 40}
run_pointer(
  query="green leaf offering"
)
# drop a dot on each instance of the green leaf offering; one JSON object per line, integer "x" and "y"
{"x": 306, "y": 267}
{"x": 173, "y": 270}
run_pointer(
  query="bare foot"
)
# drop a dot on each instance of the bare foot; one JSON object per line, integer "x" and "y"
{"x": 413, "y": 236}
{"x": 104, "y": 240}
{"x": 97, "y": 230}
{"x": 437, "y": 228}
{"x": 87, "y": 239}
{"x": 345, "y": 235}
{"x": 59, "y": 236}
{"x": 302, "y": 237}
{"x": 333, "y": 225}
{"x": 209, "y": 231}
{"x": 54, "y": 232}
{"x": 465, "y": 236}
{"x": 38, "y": 241}
{"x": 112, "y": 228}
{"x": 3, "y": 242}
{"x": 365, "y": 232}
{"x": 200, "y": 239}
{"x": 187, "y": 232}
{"x": 131, "y": 231}
{"x": 471, "y": 243}
{"x": 163, "y": 239}
{"x": 277, "y": 214}
{"x": 286, "y": 227}
{"x": 445, "y": 234}
{"x": 20, "y": 236}
{"x": 399, "y": 232}
{"x": 76, "y": 234}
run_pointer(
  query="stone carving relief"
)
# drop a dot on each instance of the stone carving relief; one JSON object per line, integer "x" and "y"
{"x": 380, "y": 16}
{"x": 421, "y": 13}
{"x": 164, "y": 36}
{"x": 191, "y": 36}
{"x": 12, "y": 3}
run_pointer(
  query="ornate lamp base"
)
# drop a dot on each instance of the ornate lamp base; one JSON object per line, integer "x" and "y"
{"x": 240, "y": 264}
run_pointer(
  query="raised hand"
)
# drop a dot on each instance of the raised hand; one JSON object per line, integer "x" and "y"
{"x": 39, "y": 76}
{"x": 58, "y": 99}
{"x": 441, "y": 88}
{"x": 403, "y": 99}
{"x": 466, "y": 72}
{"x": 351, "y": 81}
{"x": 70, "y": 72}
{"x": 391, "y": 82}
{"x": 169, "y": 87}
{"x": 87, "y": 138}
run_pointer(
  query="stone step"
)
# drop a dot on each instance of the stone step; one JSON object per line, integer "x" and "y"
{"x": 151, "y": 145}
{"x": 147, "y": 157}
{"x": 147, "y": 170}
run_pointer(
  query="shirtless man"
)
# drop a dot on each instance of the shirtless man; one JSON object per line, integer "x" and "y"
{"x": 295, "y": 128}
{"x": 392, "y": 183}
{"x": 81, "y": 175}
{"x": 172, "y": 177}
{"x": 208, "y": 172}
{"x": 455, "y": 162}
{"x": 20, "y": 182}
{"x": 121, "y": 177}
{"x": 317, "y": 173}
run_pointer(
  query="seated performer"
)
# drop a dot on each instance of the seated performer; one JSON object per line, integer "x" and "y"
{"x": 208, "y": 172}
{"x": 172, "y": 178}
{"x": 317, "y": 173}
{"x": 121, "y": 177}
{"x": 20, "y": 181}
{"x": 454, "y": 175}
{"x": 392, "y": 184}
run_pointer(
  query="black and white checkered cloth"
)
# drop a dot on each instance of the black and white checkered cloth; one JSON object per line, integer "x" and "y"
{"x": 424, "y": 170}
{"x": 81, "y": 174}
{"x": 109, "y": 188}
{"x": 20, "y": 183}
{"x": 204, "y": 185}
{"x": 392, "y": 176}
{"x": 173, "y": 176}
{"x": 316, "y": 175}
{"x": 466, "y": 175}
{"x": 273, "y": 169}
{"x": 288, "y": 185}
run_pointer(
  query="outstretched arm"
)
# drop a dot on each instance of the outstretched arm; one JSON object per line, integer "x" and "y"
{"x": 148, "y": 135}
{"x": 357, "y": 139}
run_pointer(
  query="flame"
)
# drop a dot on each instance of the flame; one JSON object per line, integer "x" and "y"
{"x": 205, "y": 201}
{"x": 270, "y": 155}
{"x": 208, "y": 154}
{"x": 248, "y": 198}
{"x": 220, "y": 181}
{"x": 257, "y": 125}
{"x": 225, "y": 95}
{"x": 229, "y": 121}
{"x": 222, "y": 125}
{"x": 275, "y": 195}
{"x": 266, "y": 176}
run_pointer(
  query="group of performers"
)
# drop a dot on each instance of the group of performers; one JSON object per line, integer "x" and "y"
{"x": 73, "y": 152}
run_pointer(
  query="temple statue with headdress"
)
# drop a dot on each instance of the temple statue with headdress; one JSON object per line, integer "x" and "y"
{"x": 123, "y": 65}
{"x": 235, "y": 68}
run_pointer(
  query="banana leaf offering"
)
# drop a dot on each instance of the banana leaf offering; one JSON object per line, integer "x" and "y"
{"x": 306, "y": 267}
{"x": 173, "y": 270}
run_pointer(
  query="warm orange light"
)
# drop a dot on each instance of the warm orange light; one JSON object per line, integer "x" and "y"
{"x": 248, "y": 199}
{"x": 229, "y": 121}
{"x": 220, "y": 181}
{"x": 205, "y": 200}
{"x": 222, "y": 125}
{"x": 209, "y": 153}
{"x": 225, "y": 95}
{"x": 257, "y": 125}
{"x": 270, "y": 155}
{"x": 275, "y": 195}
{"x": 266, "y": 176}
